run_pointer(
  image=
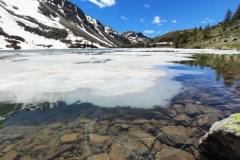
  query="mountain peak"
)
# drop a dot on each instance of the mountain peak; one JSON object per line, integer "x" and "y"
{"x": 52, "y": 24}
{"x": 134, "y": 37}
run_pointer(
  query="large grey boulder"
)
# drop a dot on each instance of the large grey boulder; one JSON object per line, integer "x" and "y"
{"x": 223, "y": 139}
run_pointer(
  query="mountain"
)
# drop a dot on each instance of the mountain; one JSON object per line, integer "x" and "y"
{"x": 224, "y": 35}
{"x": 134, "y": 37}
{"x": 29, "y": 24}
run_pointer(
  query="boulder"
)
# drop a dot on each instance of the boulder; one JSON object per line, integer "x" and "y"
{"x": 223, "y": 139}
{"x": 207, "y": 121}
{"x": 55, "y": 126}
{"x": 179, "y": 108}
{"x": 157, "y": 147}
{"x": 171, "y": 112}
{"x": 139, "y": 121}
{"x": 145, "y": 138}
{"x": 118, "y": 153}
{"x": 191, "y": 110}
{"x": 8, "y": 148}
{"x": 117, "y": 128}
{"x": 182, "y": 119}
{"x": 170, "y": 153}
{"x": 99, "y": 141}
{"x": 10, "y": 155}
{"x": 211, "y": 110}
{"x": 172, "y": 136}
{"x": 68, "y": 138}
{"x": 148, "y": 128}
{"x": 137, "y": 142}
{"x": 52, "y": 154}
{"x": 103, "y": 156}
{"x": 192, "y": 132}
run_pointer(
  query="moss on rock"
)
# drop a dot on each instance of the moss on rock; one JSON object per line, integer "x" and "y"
{"x": 223, "y": 139}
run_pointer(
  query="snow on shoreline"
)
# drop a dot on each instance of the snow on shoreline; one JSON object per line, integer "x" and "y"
{"x": 116, "y": 77}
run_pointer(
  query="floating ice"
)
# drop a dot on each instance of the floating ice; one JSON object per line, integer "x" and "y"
{"x": 120, "y": 78}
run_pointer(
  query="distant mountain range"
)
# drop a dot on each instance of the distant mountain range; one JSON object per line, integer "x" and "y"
{"x": 215, "y": 37}
{"x": 32, "y": 24}
{"x": 224, "y": 35}
{"x": 37, "y": 24}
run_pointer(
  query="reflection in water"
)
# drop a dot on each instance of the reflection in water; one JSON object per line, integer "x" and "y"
{"x": 225, "y": 66}
{"x": 85, "y": 131}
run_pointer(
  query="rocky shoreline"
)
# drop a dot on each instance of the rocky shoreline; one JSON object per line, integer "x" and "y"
{"x": 175, "y": 134}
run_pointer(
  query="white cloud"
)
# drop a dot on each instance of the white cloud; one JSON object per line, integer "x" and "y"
{"x": 148, "y": 31}
{"x": 157, "y": 20}
{"x": 208, "y": 20}
{"x": 174, "y": 21}
{"x": 103, "y": 3}
{"x": 146, "y": 5}
{"x": 124, "y": 18}
{"x": 142, "y": 20}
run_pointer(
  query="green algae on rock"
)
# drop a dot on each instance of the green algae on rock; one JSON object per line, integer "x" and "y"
{"x": 223, "y": 139}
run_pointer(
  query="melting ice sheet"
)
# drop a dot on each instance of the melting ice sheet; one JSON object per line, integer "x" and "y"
{"x": 107, "y": 78}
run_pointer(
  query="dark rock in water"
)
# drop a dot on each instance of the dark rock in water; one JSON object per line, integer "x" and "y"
{"x": 173, "y": 136}
{"x": 117, "y": 128}
{"x": 169, "y": 153}
{"x": 68, "y": 138}
{"x": 157, "y": 147}
{"x": 191, "y": 110}
{"x": 207, "y": 121}
{"x": 183, "y": 119}
{"x": 8, "y": 148}
{"x": 227, "y": 113}
{"x": 213, "y": 101}
{"x": 211, "y": 110}
{"x": 223, "y": 139}
{"x": 118, "y": 153}
{"x": 103, "y": 156}
{"x": 59, "y": 151}
{"x": 148, "y": 128}
{"x": 10, "y": 155}
{"x": 179, "y": 108}
{"x": 192, "y": 132}
{"x": 139, "y": 121}
{"x": 99, "y": 141}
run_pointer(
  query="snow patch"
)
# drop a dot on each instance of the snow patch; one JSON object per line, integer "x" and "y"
{"x": 116, "y": 78}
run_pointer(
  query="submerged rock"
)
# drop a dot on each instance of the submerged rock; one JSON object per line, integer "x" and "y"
{"x": 191, "y": 110}
{"x": 183, "y": 120}
{"x": 170, "y": 153}
{"x": 68, "y": 138}
{"x": 103, "y": 156}
{"x": 118, "y": 153}
{"x": 173, "y": 136}
{"x": 10, "y": 155}
{"x": 223, "y": 139}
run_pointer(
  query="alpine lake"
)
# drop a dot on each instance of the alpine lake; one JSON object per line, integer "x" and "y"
{"x": 82, "y": 130}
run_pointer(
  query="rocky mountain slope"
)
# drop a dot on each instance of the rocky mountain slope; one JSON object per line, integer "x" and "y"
{"x": 220, "y": 36}
{"x": 52, "y": 24}
{"x": 134, "y": 37}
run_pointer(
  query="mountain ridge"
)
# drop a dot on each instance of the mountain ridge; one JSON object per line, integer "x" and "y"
{"x": 224, "y": 35}
{"x": 53, "y": 24}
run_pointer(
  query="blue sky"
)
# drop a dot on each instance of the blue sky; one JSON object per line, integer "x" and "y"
{"x": 156, "y": 17}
